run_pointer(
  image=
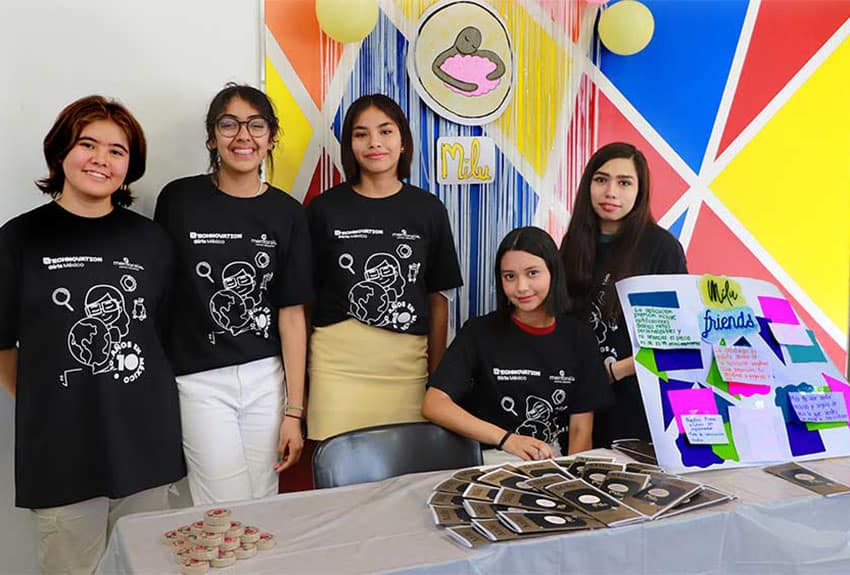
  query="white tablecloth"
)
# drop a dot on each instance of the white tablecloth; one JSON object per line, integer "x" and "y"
{"x": 386, "y": 527}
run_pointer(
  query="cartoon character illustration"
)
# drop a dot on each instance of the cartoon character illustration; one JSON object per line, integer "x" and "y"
{"x": 376, "y": 300}
{"x": 538, "y": 420}
{"x": 236, "y": 308}
{"x": 465, "y": 68}
{"x": 106, "y": 303}
{"x": 99, "y": 340}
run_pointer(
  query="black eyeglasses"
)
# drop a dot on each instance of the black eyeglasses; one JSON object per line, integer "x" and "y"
{"x": 229, "y": 125}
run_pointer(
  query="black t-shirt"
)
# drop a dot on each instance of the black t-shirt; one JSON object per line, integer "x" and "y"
{"x": 658, "y": 253}
{"x": 96, "y": 406}
{"x": 525, "y": 383}
{"x": 377, "y": 259}
{"x": 238, "y": 261}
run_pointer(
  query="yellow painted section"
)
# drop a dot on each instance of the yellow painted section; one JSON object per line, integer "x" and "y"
{"x": 543, "y": 68}
{"x": 294, "y": 135}
{"x": 790, "y": 186}
{"x": 413, "y": 9}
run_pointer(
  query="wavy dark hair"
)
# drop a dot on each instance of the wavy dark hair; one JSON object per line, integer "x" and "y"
{"x": 257, "y": 99}
{"x": 538, "y": 243}
{"x": 66, "y": 130}
{"x": 389, "y": 107}
{"x": 578, "y": 247}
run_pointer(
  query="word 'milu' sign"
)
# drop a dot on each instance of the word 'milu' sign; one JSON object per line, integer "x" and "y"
{"x": 466, "y": 160}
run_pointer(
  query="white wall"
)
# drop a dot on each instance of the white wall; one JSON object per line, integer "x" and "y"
{"x": 164, "y": 59}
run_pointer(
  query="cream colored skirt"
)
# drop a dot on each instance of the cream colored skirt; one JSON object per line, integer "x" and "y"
{"x": 362, "y": 376}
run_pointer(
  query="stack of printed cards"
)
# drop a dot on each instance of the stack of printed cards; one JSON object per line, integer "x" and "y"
{"x": 479, "y": 506}
{"x": 805, "y": 477}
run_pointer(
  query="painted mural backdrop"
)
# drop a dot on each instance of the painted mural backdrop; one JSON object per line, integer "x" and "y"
{"x": 740, "y": 106}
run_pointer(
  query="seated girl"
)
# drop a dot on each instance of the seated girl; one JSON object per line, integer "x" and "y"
{"x": 518, "y": 378}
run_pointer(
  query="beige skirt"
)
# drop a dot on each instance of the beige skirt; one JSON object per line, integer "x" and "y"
{"x": 362, "y": 376}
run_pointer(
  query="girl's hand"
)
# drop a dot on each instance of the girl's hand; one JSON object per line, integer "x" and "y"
{"x": 528, "y": 448}
{"x": 291, "y": 443}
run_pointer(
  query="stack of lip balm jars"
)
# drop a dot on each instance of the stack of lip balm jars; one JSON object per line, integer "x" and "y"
{"x": 216, "y": 541}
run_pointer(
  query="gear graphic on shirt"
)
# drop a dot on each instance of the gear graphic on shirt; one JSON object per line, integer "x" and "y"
{"x": 402, "y": 315}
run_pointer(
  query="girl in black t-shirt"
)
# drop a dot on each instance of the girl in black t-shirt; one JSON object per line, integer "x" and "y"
{"x": 383, "y": 252}
{"x": 243, "y": 277}
{"x": 612, "y": 236}
{"x": 97, "y": 425}
{"x": 519, "y": 377}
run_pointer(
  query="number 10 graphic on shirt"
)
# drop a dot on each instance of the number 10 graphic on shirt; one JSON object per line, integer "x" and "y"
{"x": 237, "y": 307}
{"x": 99, "y": 340}
{"x": 377, "y": 299}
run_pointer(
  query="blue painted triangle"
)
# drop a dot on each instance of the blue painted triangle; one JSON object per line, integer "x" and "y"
{"x": 676, "y": 227}
{"x": 677, "y": 81}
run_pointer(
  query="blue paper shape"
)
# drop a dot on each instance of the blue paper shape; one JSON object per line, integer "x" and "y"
{"x": 655, "y": 299}
{"x": 696, "y": 455}
{"x": 670, "y": 385}
{"x": 802, "y": 441}
{"x": 676, "y": 227}
{"x": 673, "y": 359}
{"x": 742, "y": 342}
{"x": 767, "y": 336}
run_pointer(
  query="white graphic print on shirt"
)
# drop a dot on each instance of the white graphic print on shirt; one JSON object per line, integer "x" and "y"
{"x": 99, "y": 341}
{"x": 377, "y": 299}
{"x": 601, "y": 327}
{"x": 539, "y": 415}
{"x": 237, "y": 306}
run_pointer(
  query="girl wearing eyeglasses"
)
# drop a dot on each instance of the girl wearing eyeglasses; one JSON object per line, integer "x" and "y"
{"x": 243, "y": 277}
{"x": 97, "y": 424}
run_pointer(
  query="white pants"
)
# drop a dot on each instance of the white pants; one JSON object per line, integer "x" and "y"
{"x": 231, "y": 428}
{"x": 72, "y": 538}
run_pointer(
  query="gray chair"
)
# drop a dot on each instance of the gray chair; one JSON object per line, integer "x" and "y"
{"x": 376, "y": 453}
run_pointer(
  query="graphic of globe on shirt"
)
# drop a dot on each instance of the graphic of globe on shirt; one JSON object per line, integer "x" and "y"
{"x": 229, "y": 310}
{"x": 89, "y": 342}
{"x": 369, "y": 302}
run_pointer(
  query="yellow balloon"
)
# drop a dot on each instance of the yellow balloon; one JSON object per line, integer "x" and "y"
{"x": 626, "y": 27}
{"x": 347, "y": 20}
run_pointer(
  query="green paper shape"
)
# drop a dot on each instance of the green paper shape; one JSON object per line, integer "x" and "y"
{"x": 714, "y": 379}
{"x": 646, "y": 357}
{"x": 726, "y": 452}
{"x": 817, "y": 426}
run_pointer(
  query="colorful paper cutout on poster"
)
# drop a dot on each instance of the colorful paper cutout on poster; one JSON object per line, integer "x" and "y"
{"x": 747, "y": 390}
{"x": 676, "y": 359}
{"x": 819, "y": 407}
{"x": 718, "y": 292}
{"x": 690, "y": 402}
{"x": 811, "y": 353}
{"x": 778, "y": 310}
{"x": 704, "y": 429}
{"x": 838, "y": 386}
{"x": 646, "y": 358}
{"x": 727, "y": 452}
{"x": 729, "y": 324}
{"x": 655, "y": 299}
{"x": 664, "y": 328}
{"x": 742, "y": 365}
{"x": 788, "y": 334}
{"x": 759, "y": 434}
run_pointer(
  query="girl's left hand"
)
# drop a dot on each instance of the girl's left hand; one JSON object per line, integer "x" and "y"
{"x": 291, "y": 444}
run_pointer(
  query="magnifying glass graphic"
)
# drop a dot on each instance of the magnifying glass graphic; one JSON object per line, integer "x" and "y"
{"x": 204, "y": 270}
{"x": 346, "y": 262}
{"x": 62, "y": 297}
{"x": 508, "y": 405}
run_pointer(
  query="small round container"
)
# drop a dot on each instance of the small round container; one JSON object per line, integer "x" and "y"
{"x": 246, "y": 551}
{"x": 197, "y": 527}
{"x": 211, "y": 539}
{"x": 170, "y": 536}
{"x": 194, "y": 566}
{"x": 266, "y": 541}
{"x": 218, "y": 516}
{"x": 230, "y": 543}
{"x": 224, "y": 559}
{"x": 204, "y": 552}
{"x": 251, "y": 535}
{"x": 235, "y": 529}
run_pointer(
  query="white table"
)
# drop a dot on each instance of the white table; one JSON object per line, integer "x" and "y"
{"x": 385, "y": 527}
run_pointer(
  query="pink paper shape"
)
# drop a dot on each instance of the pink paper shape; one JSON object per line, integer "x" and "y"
{"x": 472, "y": 69}
{"x": 840, "y": 387}
{"x": 778, "y": 310}
{"x": 688, "y": 401}
{"x": 746, "y": 390}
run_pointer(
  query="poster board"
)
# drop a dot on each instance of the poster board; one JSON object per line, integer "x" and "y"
{"x": 730, "y": 376}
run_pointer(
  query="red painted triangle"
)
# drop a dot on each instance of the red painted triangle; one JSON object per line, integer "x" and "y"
{"x": 316, "y": 187}
{"x": 785, "y": 37}
{"x": 667, "y": 184}
{"x": 716, "y": 250}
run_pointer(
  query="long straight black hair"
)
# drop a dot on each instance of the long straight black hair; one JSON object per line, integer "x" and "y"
{"x": 578, "y": 247}
{"x": 537, "y": 243}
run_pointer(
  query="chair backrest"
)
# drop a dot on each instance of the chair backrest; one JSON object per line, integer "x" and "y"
{"x": 376, "y": 453}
